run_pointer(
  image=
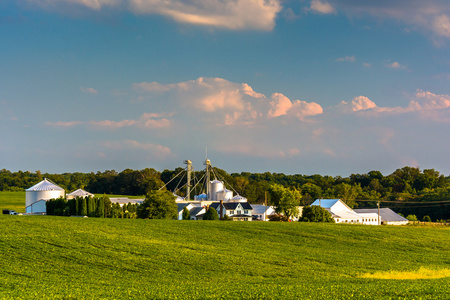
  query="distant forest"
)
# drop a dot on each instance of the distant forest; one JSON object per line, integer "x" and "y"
{"x": 407, "y": 190}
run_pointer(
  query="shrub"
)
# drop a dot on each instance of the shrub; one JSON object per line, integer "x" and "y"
{"x": 316, "y": 214}
{"x": 278, "y": 217}
{"x": 426, "y": 218}
{"x": 186, "y": 214}
{"x": 211, "y": 214}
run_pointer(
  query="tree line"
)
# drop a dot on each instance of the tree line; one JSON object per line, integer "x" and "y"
{"x": 399, "y": 190}
{"x": 99, "y": 207}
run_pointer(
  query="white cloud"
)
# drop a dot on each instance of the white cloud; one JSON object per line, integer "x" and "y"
{"x": 146, "y": 121}
{"x": 64, "y": 124}
{"x": 397, "y": 65}
{"x": 89, "y": 90}
{"x": 367, "y": 65}
{"x": 229, "y": 103}
{"x": 362, "y": 103}
{"x": 302, "y": 109}
{"x": 426, "y": 104}
{"x": 280, "y": 105}
{"x": 231, "y": 14}
{"x": 347, "y": 58}
{"x": 430, "y": 15}
{"x": 441, "y": 25}
{"x": 322, "y": 7}
{"x": 92, "y": 4}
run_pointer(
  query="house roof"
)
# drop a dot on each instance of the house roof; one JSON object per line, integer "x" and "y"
{"x": 325, "y": 203}
{"x": 195, "y": 211}
{"x": 80, "y": 193}
{"x": 259, "y": 209}
{"x": 387, "y": 214}
{"x": 181, "y": 206}
{"x": 231, "y": 205}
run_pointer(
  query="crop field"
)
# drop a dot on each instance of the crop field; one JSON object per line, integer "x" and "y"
{"x": 47, "y": 257}
{"x": 12, "y": 200}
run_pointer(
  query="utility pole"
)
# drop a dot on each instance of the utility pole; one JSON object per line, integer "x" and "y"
{"x": 208, "y": 178}
{"x": 379, "y": 216}
{"x": 188, "y": 185}
{"x": 265, "y": 204}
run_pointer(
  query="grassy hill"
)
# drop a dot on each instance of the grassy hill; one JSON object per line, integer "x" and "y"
{"x": 45, "y": 257}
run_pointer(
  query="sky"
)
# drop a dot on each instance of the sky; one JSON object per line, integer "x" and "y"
{"x": 330, "y": 87}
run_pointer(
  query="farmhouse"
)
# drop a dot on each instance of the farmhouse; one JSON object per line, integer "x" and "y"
{"x": 237, "y": 211}
{"x": 262, "y": 212}
{"x": 181, "y": 207}
{"x": 342, "y": 213}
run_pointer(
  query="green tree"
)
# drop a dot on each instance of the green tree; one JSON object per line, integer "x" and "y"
{"x": 83, "y": 206}
{"x": 211, "y": 214}
{"x": 426, "y": 218}
{"x": 285, "y": 200}
{"x": 186, "y": 214}
{"x": 158, "y": 205}
{"x": 316, "y": 213}
{"x": 412, "y": 218}
{"x": 90, "y": 206}
{"x": 100, "y": 207}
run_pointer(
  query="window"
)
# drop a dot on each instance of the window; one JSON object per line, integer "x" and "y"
{"x": 239, "y": 212}
{"x": 231, "y": 212}
{"x": 246, "y": 212}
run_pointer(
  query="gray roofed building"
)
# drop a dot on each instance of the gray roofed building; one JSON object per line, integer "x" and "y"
{"x": 388, "y": 216}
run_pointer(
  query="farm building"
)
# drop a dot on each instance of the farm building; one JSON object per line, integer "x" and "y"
{"x": 79, "y": 193}
{"x": 126, "y": 200}
{"x": 237, "y": 211}
{"x": 197, "y": 213}
{"x": 342, "y": 213}
{"x": 262, "y": 212}
{"x": 388, "y": 216}
{"x": 37, "y": 196}
{"x": 181, "y": 206}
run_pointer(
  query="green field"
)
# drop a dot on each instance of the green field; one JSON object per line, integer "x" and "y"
{"x": 46, "y": 257}
{"x": 12, "y": 200}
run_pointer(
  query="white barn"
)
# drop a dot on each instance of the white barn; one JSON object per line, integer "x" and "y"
{"x": 342, "y": 213}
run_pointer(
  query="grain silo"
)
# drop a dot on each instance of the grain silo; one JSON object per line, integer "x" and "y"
{"x": 39, "y": 193}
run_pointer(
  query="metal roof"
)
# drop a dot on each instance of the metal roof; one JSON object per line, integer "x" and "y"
{"x": 325, "y": 203}
{"x": 45, "y": 185}
{"x": 80, "y": 193}
{"x": 387, "y": 214}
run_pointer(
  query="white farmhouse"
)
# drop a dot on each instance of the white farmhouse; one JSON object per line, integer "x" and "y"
{"x": 237, "y": 211}
{"x": 262, "y": 212}
{"x": 181, "y": 207}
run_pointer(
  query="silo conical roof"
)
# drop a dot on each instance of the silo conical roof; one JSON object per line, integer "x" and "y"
{"x": 45, "y": 185}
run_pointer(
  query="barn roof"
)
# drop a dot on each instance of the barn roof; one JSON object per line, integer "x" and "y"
{"x": 387, "y": 214}
{"x": 80, "y": 193}
{"x": 45, "y": 185}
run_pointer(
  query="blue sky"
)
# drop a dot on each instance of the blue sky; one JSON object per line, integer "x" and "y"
{"x": 312, "y": 87}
